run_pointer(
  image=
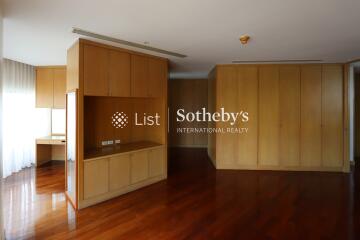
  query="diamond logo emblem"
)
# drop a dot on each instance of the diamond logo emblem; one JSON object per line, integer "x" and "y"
{"x": 119, "y": 120}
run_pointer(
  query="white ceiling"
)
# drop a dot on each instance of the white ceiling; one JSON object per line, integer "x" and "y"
{"x": 38, "y": 32}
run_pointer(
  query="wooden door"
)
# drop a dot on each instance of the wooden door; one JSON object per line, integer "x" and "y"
{"x": 289, "y": 115}
{"x": 119, "y": 172}
{"x": 269, "y": 116}
{"x": 96, "y": 82}
{"x": 139, "y": 166}
{"x": 156, "y": 162}
{"x": 247, "y": 100}
{"x": 157, "y": 77}
{"x": 44, "y": 87}
{"x": 59, "y": 87}
{"x": 332, "y": 116}
{"x": 119, "y": 74}
{"x": 96, "y": 177}
{"x": 226, "y": 143}
{"x": 310, "y": 140}
{"x": 139, "y": 76}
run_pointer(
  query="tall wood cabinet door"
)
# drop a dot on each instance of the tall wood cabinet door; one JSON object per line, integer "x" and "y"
{"x": 139, "y": 166}
{"x": 247, "y": 88}
{"x": 157, "y": 77}
{"x": 156, "y": 162}
{"x": 96, "y": 177}
{"x": 119, "y": 74}
{"x": 226, "y": 143}
{"x": 310, "y": 133}
{"x": 44, "y": 87}
{"x": 332, "y": 116}
{"x": 96, "y": 82}
{"x": 119, "y": 172}
{"x": 139, "y": 76}
{"x": 59, "y": 87}
{"x": 269, "y": 116}
{"x": 289, "y": 115}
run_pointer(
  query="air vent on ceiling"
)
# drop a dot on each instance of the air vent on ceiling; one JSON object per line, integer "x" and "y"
{"x": 279, "y": 61}
{"x": 127, "y": 43}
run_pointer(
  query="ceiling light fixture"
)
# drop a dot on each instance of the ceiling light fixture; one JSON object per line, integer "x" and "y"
{"x": 127, "y": 43}
{"x": 244, "y": 39}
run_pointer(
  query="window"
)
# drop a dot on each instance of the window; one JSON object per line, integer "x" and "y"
{"x": 58, "y": 118}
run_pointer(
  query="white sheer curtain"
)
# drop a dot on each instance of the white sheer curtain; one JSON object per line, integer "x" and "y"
{"x": 22, "y": 122}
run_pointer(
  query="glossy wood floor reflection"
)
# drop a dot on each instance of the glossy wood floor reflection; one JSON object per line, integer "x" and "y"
{"x": 196, "y": 202}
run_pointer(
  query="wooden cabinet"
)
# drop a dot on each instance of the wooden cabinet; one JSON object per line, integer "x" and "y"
{"x": 96, "y": 177}
{"x": 119, "y": 172}
{"x": 119, "y": 74}
{"x": 96, "y": 81}
{"x": 139, "y": 76}
{"x": 332, "y": 120}
{"x": 289, "y": 84}
{"x": 269, "y": 116}
{"x": 296, "y": 117}
{"x": 50, "y": 87}
{"x": 139, "y": 166}
{"x": 247, "y": 100}
{"x": 227, "y": 143}
{"x": 59, "y": 88}
{"x": 115, "y": 73}
{"x": 157, "y": 77}
{"x": 44, "y": 87}
{"x": 114, "y": 175}
{"x": 156, "y": 162}
{"x": 310, "y": 134}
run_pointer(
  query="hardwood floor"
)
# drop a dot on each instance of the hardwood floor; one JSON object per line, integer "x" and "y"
{"x": 195, "y": 202}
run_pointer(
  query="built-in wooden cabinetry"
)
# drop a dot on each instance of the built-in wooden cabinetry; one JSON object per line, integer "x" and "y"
{"x": 107, "y": 81}
{"x": 50, "y": 87}
{"x": 296, "y": 117}
{"x": 106, "y": 177}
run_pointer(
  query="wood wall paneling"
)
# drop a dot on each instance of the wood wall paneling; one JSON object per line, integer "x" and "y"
{"x": 190, "y": 95}
{"x": 289, "y": 83}
{"x": 96, "y": 71}
{"x": 332, "y": 116}
{"x": 269, "y": 115}
{"x": 310, "y": 150}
